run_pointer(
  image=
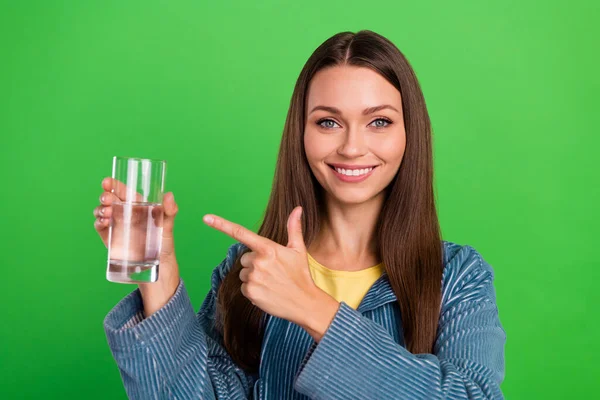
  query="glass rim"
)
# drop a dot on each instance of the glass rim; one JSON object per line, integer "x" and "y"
{"x": 153, "y": 160}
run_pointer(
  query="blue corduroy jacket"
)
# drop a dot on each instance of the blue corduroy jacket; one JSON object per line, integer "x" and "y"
{"x": 177, "y": 353}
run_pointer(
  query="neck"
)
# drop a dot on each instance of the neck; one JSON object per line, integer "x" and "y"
{"x": 346, "y": 240}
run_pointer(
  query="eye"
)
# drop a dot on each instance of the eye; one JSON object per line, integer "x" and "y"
{"x": 330, "y": 121}
{"x": 383, "y": 121}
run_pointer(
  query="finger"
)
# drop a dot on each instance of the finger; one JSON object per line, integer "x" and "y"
{"x": 122, "y": 191}
{"x": 107, "y": 198}
{"x": 101, "y": 226}
{"x": 245, "y": 274}
{"x": 294, "y": 227}
{"x": 170, "y": 211}
{"x": 244, "y": 290}
{"x": 102, "y": 211}
{"x": 252, "y": 240}
{"x": 247, "y": 259}
{"x": 102, "y": 223}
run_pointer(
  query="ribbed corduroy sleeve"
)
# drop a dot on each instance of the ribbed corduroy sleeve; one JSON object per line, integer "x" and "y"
{"x": 358, "y": 359}
{"x": 175, "y": 352}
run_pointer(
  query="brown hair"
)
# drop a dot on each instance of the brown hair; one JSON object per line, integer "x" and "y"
{"x": 407, "y": 234}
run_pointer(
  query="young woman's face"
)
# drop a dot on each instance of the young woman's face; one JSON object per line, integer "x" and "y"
{"x": 349, "y": 137}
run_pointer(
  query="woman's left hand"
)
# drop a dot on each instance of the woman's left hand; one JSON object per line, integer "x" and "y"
{"x": 277, "y": 279}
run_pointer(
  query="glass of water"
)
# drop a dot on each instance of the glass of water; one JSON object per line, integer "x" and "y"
{"x": 136, "y": 222}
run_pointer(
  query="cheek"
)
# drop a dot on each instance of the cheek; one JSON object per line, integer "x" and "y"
{"x": 309, "y": 145}
{"x": 315, "y": 147}
{"x": 316, "y": 151}
{"x": 312, "y": 151}
{"x": 391, "y": 150}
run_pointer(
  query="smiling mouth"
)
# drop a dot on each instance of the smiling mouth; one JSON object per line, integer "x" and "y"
{"x": 353, "y": 171}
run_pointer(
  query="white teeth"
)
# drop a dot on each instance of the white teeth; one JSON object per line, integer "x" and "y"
{"x": 353, "y": 172}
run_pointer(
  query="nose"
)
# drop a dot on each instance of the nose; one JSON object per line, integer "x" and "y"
{"x": 353, "y": 145}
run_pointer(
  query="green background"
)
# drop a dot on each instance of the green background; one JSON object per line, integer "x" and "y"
{"x": 512, "y": 90}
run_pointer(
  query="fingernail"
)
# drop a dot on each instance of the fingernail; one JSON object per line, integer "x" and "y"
{"x": 102, "y": 199}
{"x": 101, "y": 220}
{"x": 102, "y": 211}
{"x": 208, "y": 219}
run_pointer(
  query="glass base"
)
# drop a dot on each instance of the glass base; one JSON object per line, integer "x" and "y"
{"x": 122, "y": 271}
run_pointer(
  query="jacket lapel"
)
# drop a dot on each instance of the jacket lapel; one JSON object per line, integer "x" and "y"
{"x": 380, "y": 293}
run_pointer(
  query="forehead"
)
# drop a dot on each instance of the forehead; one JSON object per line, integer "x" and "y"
{"x": 351, "y": 89}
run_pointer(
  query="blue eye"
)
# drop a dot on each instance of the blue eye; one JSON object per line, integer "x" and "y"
{"x": 387, "y": 121}
{"x": 384, "y": 123}
{"x": 326, "y": 120}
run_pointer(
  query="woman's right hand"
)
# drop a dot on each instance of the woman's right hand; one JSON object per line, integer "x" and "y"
{"x": 154, "y": 295}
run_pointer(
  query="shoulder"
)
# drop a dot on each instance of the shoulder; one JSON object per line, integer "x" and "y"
{"x": 466, "y": 276}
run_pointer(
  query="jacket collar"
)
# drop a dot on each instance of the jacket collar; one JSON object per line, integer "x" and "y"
{"x": 379, "y": 293}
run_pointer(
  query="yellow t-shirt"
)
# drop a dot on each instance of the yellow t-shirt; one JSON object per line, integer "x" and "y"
{"x": 347, "y": 286}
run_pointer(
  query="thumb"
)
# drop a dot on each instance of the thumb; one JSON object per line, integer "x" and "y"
{"x": 170, "y": 211}
{"x": 294, "y": 227}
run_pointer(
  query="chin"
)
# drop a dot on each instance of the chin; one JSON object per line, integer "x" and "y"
{"x": 352, "y": 198}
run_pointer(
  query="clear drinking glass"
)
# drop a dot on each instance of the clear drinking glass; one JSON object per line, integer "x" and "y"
{"x": 136, "y": 222}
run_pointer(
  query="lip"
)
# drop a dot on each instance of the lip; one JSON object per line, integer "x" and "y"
{"x": 350, "y": 166}
{"x": 351, "y": 179}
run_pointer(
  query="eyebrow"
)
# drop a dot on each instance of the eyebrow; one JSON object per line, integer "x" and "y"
{"x": 366, "y": 111}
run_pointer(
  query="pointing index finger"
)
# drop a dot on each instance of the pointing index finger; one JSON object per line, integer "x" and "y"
{"x": 254, "y": 241}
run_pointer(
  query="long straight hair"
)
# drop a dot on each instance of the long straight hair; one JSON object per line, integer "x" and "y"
{"x": 407, "y": 231}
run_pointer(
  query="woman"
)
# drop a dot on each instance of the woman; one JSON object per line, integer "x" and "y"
{"x": 347, "y": 291}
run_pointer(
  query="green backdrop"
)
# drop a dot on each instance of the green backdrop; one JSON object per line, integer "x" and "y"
{"x": 512, "y": 89}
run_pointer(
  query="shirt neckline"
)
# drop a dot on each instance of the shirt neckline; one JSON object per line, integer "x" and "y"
{"x": 333, "y": 272}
